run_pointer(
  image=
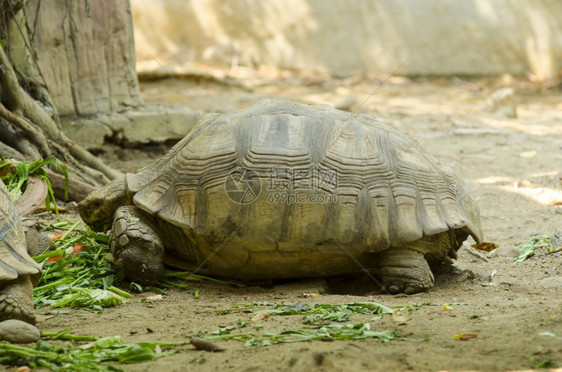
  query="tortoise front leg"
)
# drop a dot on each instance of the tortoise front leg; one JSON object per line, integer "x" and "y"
{"x": 15, "y": 300}
{"x": 404, "y": 270}
{"x": 136, "y": 246}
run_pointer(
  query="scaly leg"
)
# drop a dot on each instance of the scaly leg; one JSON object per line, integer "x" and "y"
{"x": 136, "y": 246}
{"x": 15, "y": 300}
{"x": 404, "y": 270}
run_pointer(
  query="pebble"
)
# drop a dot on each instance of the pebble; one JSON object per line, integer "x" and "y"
{"x": 346, "y": 104}
{"x": 18, "y": 332}
{"x": 502, "y": 102}
{"x": 506, "y": 251}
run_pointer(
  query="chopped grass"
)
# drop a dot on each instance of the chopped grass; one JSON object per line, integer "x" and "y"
{"x": 318, "y": 323}
{"x": 16, "y": 180}
{"x": 327, "y": 332}
{"x": 534, "y": 244}
{"x": 190, "y": 276}
{"x": 101, "y": 354}
{"x": 76, "y": 273}
{"x": 321, "y": 314}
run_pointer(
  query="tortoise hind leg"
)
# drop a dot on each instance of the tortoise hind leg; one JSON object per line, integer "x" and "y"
{"x": 136, "y": 246}
{"x": 404, "y": 270}
{"x": 15, "y": 300}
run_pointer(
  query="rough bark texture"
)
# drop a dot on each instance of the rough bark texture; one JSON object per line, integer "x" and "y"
{"x": 85, "y": 53}
{"x": 68, "y": 81}
{"x": 29, "y": 117}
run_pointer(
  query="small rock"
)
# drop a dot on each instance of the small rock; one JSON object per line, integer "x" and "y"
{"x": 507, "y": 251}
{"x": 502, "y": 102}
{"x": 18, "y": 332}
{"x": 346, "y": 103}
{"x": 154, "y": 298}
{"x": 558, "y": 210}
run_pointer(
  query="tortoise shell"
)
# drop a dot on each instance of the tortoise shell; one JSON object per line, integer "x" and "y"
{"x": 14, "y": 259}
{"x": 363, "y": 186}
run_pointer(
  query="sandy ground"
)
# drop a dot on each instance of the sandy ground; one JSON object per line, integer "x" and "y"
{"x": 512, "y": 165}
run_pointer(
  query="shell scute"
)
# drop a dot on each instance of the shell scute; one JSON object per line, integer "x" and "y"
{"x": 388, "y": 190}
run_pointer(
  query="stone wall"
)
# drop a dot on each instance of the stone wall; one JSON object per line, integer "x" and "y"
{"x": 342, "y": 38}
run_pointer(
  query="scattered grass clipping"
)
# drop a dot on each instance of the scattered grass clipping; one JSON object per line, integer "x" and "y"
{"x": 99, "y": 355}
{"x": 323, "y": 314}
{"x": 535, "y": 244}
{"x": 328, "y": 332}
{"x": 16, "y": 180}
{"x": 76, "y": 273}
{"x": 320, "y": 323}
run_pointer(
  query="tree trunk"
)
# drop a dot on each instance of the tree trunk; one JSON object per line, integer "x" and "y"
{"x": 30, "y": 127}
{"x": 70, "y": 65}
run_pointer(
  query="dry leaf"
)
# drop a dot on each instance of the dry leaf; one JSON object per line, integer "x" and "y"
{"x": 447, "y": 308}
{"x": 201, "y": 344}
{"x": 465, "y": 336}
{"x": 485, "y": 246}
{"x": 259, "y": 317}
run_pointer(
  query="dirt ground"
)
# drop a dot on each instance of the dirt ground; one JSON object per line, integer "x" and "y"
{"x": 512, "y": 165}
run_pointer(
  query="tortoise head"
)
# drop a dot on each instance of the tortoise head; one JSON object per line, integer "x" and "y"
{"x": 98, "y": 208}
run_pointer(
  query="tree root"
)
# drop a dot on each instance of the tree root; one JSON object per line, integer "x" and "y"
{"x": 37, "y": 133}
{"x": 33, "y": 197}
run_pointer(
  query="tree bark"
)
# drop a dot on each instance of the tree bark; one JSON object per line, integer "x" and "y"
{"x": 29, "y": 122}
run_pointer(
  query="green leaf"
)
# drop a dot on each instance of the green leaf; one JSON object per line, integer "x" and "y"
{"x": 137, "y": 354}
{"x": 88, "y": 297}
{"x": 93, "y": 356}
{"x": 85, "y": 279}
{"x": 529, "y": 248}
{"x": 17, "y": 180}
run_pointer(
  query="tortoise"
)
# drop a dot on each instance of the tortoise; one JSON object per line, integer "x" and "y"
{"x": 18, "y": 271}
{"x": 288, "y": 190}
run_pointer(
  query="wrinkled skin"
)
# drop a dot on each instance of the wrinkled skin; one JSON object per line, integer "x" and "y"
{"x": 16, "y": 300}
{"x": 98, "y": 209}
